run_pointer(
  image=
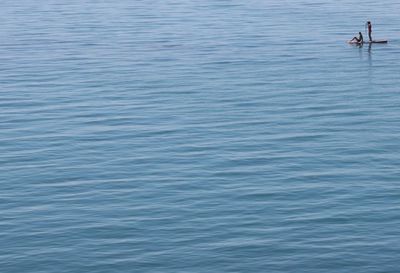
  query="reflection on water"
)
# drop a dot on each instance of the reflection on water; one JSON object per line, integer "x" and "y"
{"x": 370, "y": 54}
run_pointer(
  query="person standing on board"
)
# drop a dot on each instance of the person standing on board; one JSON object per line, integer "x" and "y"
{"x": 369, "y": 30}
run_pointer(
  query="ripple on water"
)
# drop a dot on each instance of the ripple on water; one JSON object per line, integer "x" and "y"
{"x": 203, "y": 137}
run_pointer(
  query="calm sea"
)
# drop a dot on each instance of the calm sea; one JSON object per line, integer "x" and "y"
{"x": 199, "y": 136}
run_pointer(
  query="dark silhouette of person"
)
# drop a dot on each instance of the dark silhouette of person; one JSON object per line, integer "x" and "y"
{"x": 359, "y": 40}
{"x": 369, "y": 25}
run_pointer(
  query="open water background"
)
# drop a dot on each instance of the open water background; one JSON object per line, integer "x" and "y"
{"x": 199, "y": 136}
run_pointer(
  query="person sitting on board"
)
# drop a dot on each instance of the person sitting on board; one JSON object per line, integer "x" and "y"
{"x": 369, "y": 25}
{"x": 358, "y": 40}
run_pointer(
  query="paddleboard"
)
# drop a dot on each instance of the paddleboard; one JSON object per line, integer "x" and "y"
{"x": 378, "y": 42}
{"x": 368, "y": 42}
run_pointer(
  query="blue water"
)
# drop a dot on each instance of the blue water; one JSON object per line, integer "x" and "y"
{"x": 199, "y": 136}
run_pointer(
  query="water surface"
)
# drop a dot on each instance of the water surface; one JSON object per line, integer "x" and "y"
{"x": 198, "y": 136}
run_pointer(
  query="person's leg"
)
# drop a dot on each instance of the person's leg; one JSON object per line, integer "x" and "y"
{"x": 370, "y": 36}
